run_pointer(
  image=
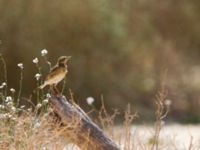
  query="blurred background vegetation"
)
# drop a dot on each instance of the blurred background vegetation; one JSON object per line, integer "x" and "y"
{"x": 120, "y": 49}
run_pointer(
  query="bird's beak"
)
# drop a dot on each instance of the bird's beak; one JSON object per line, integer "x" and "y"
{"x": 68, "y": 58}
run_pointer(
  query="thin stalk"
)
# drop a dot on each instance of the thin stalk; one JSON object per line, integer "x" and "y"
{"x": 38, "y": 94}
{"x": 39, "y": 82}
{"x": 5, "y": 73}
{"x": 20, "y": 87}
{"x": 48, "y": 62}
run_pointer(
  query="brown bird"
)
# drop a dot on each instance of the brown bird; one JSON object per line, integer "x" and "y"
{"x": 57, "y": 73}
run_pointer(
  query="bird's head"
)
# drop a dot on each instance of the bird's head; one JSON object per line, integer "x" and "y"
{"x": 62, "y": 60}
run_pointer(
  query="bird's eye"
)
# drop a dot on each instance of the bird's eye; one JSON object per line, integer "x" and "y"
{"x": 62, "y": 60}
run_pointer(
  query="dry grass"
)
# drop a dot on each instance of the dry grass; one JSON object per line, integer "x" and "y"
{"x": 36, "y": 129}
{"x": 33, "y": 130}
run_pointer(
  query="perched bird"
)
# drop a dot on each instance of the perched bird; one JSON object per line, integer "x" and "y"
{"x": 57, "y": 73}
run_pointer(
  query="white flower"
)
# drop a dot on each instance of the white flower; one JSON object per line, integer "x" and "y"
{"x": 12, "y": 90}
{"x": 8, "y": 99}
{"x": 2, "y": 116}
{"x": 48, "y": 95}
{"x": 38, "y": 105}
{"x": 44, "y": 148}
{"x": 7, "y": 115}
{"x": 2, "y": 106}
{"x": 29, "y": 109}
{"x": 20, "y": 65}
{"x": 10, "y": 104}
{"x": 37, "y": 76}
{"x": 167, "y": 102}
{"x": 13, "y": 118}
{"x": 44, "y": 52}
{"x": 89, "y": 100}
{"x": 13, "y": 108}
{"x": 45, "y": 101}
{"x": 37, "y": 124}
{"x": 35, "y": 60}
{"x": 3, "y": 84}
{"x": 22, "y": 106}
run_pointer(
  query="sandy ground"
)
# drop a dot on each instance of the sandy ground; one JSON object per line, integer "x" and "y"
{"x": 172, "y": 137}
{"x": 182, "y": 135}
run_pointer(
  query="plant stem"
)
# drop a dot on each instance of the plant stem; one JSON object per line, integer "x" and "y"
{"x": 5, "y": 73}
{"x": 20, "y": 87}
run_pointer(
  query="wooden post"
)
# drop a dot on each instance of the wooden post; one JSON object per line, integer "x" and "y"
{"x": 86, "y": 132}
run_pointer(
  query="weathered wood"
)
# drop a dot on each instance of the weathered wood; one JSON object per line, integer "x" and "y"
{"x": 86, "y": 131}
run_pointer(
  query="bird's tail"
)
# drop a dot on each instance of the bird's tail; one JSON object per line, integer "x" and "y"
{"x": 42, "y": 86}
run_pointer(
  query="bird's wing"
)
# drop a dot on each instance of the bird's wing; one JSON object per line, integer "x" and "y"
{"x": 53, "y": 68}
{"x": 54, "y": 72}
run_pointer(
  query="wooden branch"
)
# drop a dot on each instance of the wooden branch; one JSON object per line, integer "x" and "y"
{"x": 86, "y": 131}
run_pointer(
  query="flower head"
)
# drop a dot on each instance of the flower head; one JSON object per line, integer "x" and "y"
{"x": 37, "y": 76}
{"x": 167, "y": 102}
{"x": 37, "y": 124}
{"x": 8, "y": 99}
{"x": 12, "y": 90}
{"x": 44, "y": 52}
{"x": 35, "y": 60}
{"x": 10, "y": 104}
{"x": 2, "y": 106}
{"x": 45, "y": 101}
{"x": 29, "y": 109}
{"x": 48, "y": 95}
{"x": 13, "y": 108}
{"x": 89, "y": 100}
{"x": 20, "y": 65}
{"x": 39, "y": 105}
{"x": 7, "y": 115}
{"x": 3, "y": 85}
{"x": 22, "y": 106}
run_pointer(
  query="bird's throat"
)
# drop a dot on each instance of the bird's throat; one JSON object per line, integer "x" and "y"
{"x": 62, "y": 65}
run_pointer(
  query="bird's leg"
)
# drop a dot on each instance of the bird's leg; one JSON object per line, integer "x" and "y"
{"x": 52, "y": 90}
{"x": 55, "y": 90}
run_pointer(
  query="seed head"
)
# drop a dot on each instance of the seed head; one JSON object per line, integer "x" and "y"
{"x": 20, "y": 65}
{"x": 167, "y": 102}
{"x": 39, "y": 105}
{"x": 12, "y": 90}
{"x": 35, "y": 60}
{"x": 8, "y": 99}
{"x": 44, "y": 52}
{"x": 89, "y": 100}
{"x": 45, "y": 101}
{"x": 37, "y": 76}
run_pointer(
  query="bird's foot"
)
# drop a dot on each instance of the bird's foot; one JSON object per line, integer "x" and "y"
{"x": 55, "y": 90}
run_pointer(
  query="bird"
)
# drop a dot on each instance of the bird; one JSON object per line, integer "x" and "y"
{"x": 57, "y": 73}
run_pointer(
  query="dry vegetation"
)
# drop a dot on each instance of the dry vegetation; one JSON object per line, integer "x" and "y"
{"x": 34, "y": 128}
{"x": 121, "y": 49}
